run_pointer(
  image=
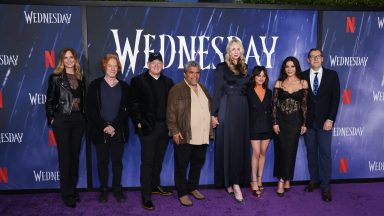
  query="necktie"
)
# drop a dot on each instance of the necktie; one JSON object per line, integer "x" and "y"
{"x": 315, "y": 84}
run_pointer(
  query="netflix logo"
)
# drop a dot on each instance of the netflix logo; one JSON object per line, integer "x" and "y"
{"x": 347, "y": 96}
{"x": 343, "y": 167}
{"x": 51, "y": 138}
{"x": 350, "y": 25}
{"x": 1, "y": 99}
{"x": 49, "y": 59}
{"x": 3, "y": 175}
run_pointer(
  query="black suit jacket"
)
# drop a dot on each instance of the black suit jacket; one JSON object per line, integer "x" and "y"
{"x": 144, "y": 101}
{"x": 325, "y": 104}
{"x": 260, "y": 112}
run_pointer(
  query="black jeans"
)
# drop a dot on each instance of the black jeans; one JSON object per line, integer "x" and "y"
{"x": 185, "y": 154}
{"x": 112, "y": 149}
{"x": 153, "y": 148}
{"x": 68, "y": 130}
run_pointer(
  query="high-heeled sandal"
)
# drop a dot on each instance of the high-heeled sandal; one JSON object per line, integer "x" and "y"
{"x": 280, "y": 194}
{"x": 230, "y": 191}
{"x": 261, "y": 188}
{"x": 256, "y": 192}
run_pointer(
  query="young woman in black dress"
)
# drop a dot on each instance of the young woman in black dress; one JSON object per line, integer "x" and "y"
{"x": 260, "y": 124}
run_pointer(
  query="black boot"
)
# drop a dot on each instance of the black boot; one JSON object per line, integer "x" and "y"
{"x": 103, "y": 198}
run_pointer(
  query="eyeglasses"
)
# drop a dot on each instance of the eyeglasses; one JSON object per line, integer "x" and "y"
{"x": 315, "y": 57}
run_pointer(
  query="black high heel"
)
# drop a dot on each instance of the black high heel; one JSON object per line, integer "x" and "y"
{"x": 239, "y": 200}
{"x": 280, "y": 194}
{"x": 231, "y": 193}
{"x": 255, "y": 192}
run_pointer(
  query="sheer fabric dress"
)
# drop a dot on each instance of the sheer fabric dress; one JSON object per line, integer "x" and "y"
{"x": 232, "y": 141}
{"x": 289, "y": 112}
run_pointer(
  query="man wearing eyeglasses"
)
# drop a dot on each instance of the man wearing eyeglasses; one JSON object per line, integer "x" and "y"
{"x": 323, "y": 103}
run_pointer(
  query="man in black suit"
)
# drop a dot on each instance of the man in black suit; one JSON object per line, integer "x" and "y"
{"x": 149, "y": 100}
{"x": 323, "y": 103}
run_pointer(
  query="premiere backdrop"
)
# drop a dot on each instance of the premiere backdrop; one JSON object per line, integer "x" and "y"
{"x": 353, "y": 46}
{"x": 182, "y": 34}
{"x": 32, "y": 37}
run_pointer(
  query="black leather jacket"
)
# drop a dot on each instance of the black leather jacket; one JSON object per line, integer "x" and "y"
{"x": 59, "y": 96}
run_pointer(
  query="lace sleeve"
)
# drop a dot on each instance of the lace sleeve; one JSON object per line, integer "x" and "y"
{"x": 304, "y": 106}
{"x": 274, "y": 105}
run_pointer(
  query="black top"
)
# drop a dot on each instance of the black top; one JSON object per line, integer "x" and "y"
{"x": 149, "y": 105}
{"x": 160, "y": 94}
{"x": 110, "y": 100}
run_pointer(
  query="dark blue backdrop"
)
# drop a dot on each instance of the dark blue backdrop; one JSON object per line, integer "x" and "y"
{"x": 182, "y": 34}
{"x": 111, "y": 29}
{"x": 31, "y": 163}
{"x": 352, "y": 42}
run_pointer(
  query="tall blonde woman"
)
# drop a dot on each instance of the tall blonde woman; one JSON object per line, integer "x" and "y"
{"x": 230, "y": 115}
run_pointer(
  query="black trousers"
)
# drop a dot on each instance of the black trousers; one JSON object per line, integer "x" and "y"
{"x": 111, "y": 150}
{"x": 153, "y": 148}
{"x": 194, "y": 156}
{"x": 68, "y": 130}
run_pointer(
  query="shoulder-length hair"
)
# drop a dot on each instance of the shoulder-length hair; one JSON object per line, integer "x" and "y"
{"x": 106, "y": 58}
{"x": 284, "y": 75}
{"x": 60, "y": 65}
{"x": 257, "y": 71}
{"x": 241, "y": 67}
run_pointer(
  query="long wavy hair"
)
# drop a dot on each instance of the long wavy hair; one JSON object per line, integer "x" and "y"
{"x": 255, "y": 72}
{"x": 283, "y": 75}
{"x": 240, "y": 67}
{"x": 60, "y": 65}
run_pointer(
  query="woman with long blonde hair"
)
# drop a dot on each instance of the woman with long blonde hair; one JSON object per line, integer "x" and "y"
{"x": 230, "y": 116}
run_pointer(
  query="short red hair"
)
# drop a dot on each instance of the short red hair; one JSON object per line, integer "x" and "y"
{"x": 108, "y": 57}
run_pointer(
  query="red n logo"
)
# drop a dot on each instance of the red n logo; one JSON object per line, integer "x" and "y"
{"x": 1, "y": 99}
{"x": 3, "y": 175}
{"x": 347, "y": 96}
{"x": 49, "y": 59}
{"x": 350, "y": 25}
{"x": 343, "y": 168}
{"x": 52, "y": 139}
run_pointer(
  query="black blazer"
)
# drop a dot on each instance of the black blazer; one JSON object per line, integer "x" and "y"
{"x": 97, "y": 124}
{"x": 144, "y": 102}
{"x": 260, "y": 112}
{"x": 325, "y": 104}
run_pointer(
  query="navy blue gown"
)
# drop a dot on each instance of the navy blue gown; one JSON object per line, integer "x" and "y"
{"x": 232, "y": 141}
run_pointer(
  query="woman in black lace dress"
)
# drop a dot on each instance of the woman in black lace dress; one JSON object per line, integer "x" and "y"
{"x": 289, "y": 115}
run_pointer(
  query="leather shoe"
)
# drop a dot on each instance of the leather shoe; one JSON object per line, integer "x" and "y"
{"x": 161, "y": 191}
{"x": 185, "y": 201}
{"x": 197, "y": 195}
{"x": 119, "y": 195}
{"x": 69, "y": 202}
{"x": 326, "y": 195}
{"x": 103, "y": 197}
{"x": 77, "y": 197}
{"x": 148, "y": 205}
{"x": 311, "y": 186}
